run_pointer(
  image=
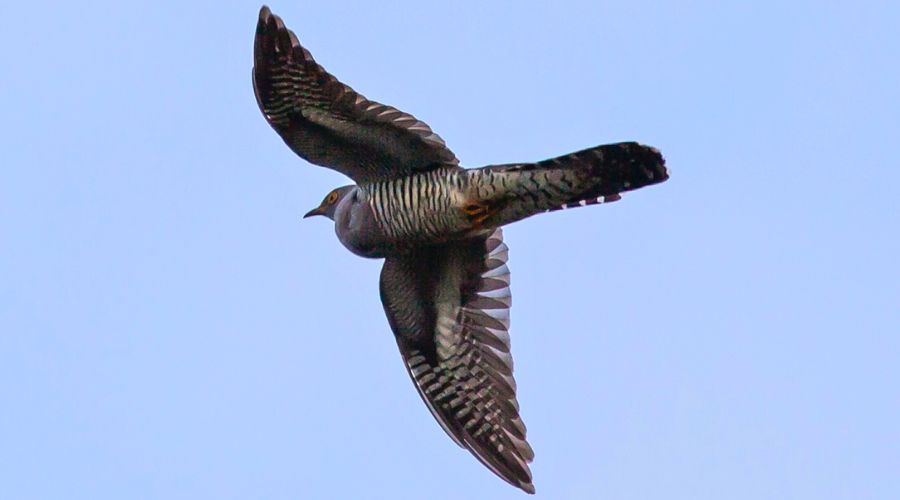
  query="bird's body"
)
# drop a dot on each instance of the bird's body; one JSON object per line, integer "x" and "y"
{"x": 452, "y": 203}
{"x": 445, "y": 283}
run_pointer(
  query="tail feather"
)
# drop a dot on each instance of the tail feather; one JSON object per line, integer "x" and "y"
{"x": 591, "y": 176}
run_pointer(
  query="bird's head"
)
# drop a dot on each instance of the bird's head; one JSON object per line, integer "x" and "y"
{"x": 330, "y": 202}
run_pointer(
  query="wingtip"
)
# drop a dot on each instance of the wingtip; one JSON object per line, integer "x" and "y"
{"x": 269, "y": 22}
{"x": 264, "y": 16}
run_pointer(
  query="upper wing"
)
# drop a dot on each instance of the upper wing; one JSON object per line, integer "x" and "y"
{"x": 326, "y": 122}
{"x": 449, "y": 309}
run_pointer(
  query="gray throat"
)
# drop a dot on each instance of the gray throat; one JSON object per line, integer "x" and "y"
{"x": 355, "y": 226}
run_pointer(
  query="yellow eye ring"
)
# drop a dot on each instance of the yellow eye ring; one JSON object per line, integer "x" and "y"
{"x": 332, "y": 197}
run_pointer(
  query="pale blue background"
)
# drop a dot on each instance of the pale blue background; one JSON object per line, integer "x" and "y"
{"x": 172, "y": 329}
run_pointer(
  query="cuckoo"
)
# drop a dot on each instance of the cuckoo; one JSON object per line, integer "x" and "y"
{"x": 445, "y": 284}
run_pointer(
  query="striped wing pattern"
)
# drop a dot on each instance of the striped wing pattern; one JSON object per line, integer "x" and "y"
{"x": 328, "y": 123}
{"x": 449, "y": 309}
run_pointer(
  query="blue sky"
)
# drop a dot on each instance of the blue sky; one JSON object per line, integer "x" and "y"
{"x": 171, "y": 328}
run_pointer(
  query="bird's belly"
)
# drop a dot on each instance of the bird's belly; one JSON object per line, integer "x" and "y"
{"x": 424, "y": 225}
{"x": 429, "y": 208}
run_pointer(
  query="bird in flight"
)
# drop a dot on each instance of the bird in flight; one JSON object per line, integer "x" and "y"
{"x": 445, "y": 283}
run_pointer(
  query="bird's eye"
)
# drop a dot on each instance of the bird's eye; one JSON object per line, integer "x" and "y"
{"x": 332, "y": 197}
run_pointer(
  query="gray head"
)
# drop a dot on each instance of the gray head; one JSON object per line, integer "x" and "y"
{"x": 330, "y": 203}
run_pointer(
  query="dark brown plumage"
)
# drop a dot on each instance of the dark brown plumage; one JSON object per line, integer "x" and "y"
{"x": 326, "y": 122}
{"x": 448, "y": 306}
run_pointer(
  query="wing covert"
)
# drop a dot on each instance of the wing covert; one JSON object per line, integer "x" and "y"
{"x": 328, "y": 123}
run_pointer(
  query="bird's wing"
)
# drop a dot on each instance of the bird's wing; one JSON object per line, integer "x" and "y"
{"x": 449, "y": 309}
{"x": 328, "y": 123}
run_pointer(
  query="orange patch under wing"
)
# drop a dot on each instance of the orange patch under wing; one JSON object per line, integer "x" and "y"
{"x": 478, "y": 212}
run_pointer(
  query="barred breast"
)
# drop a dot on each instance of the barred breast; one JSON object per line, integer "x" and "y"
{"x": 420, "y": 208}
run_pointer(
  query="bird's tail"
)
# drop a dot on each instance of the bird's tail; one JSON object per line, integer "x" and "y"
{"x": 596, "y": 175}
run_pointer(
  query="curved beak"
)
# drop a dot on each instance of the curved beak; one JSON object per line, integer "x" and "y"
{"x": 315, "y": 211}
